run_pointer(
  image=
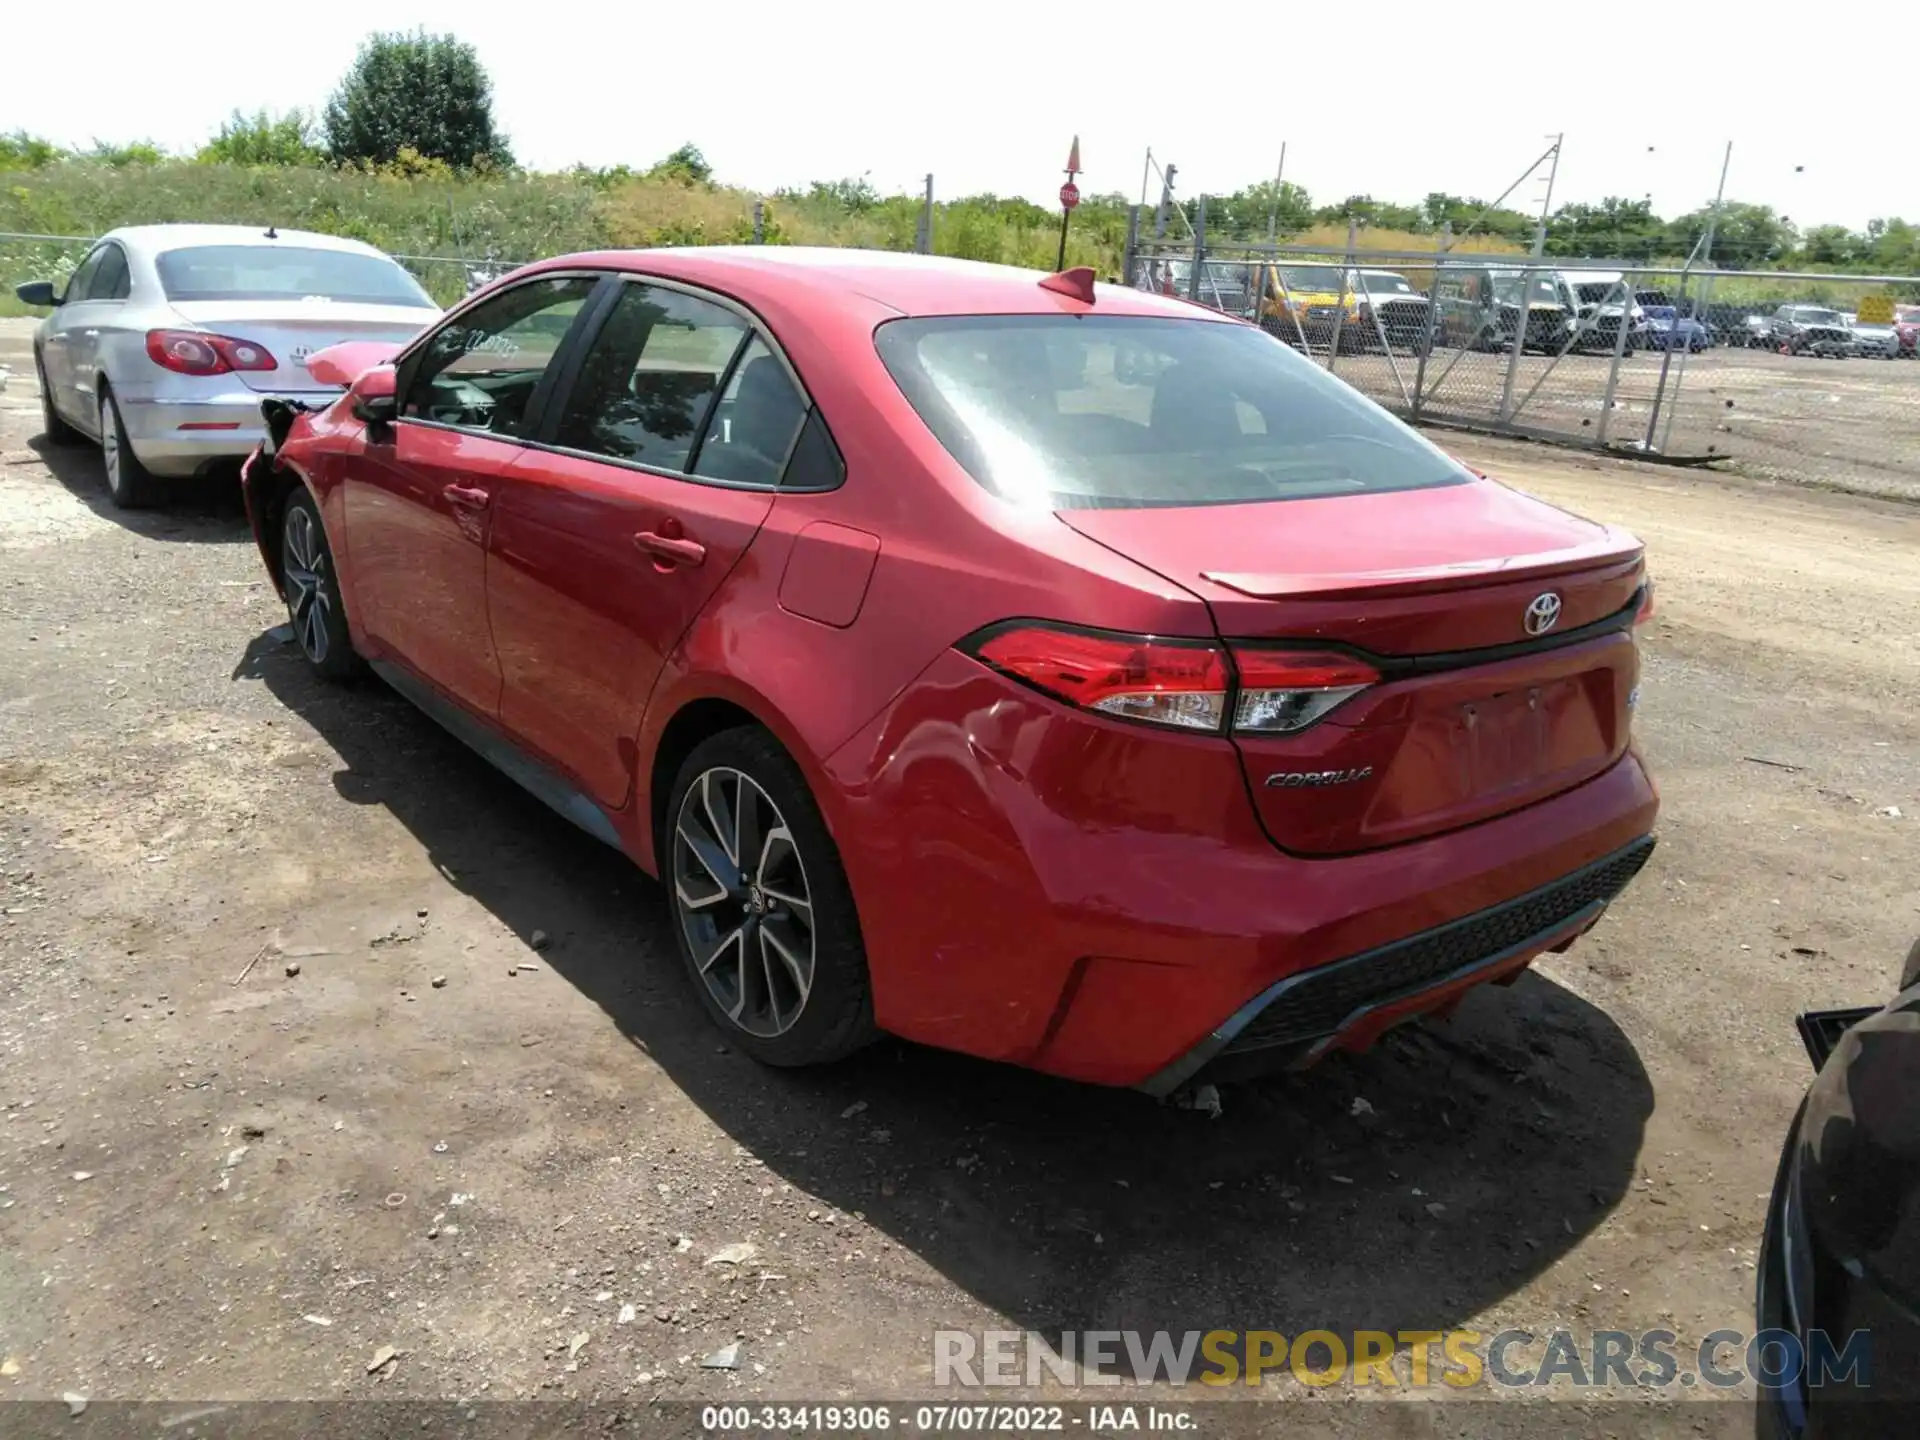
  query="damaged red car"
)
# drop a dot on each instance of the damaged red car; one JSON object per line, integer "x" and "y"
{"x": 1045, "y": 670}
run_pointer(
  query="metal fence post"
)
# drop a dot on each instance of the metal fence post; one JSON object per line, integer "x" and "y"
{"x": 1679, "y": 380}
{"x": 1340, "y": 305}
{"x": 1619, "y": 354}
{"x": 923, "y": 233}
{"x": 1130, "y": 256}
{"x": 1199, "y": 249}
{"x": 1521, "y": 326}
{"x": 1433, "y": 323}
{"x": 759, "y": 222}
{"x": 1166, "y": 202}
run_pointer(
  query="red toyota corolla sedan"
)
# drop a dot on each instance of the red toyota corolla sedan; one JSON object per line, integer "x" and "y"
{"x": 1045, "y": 670}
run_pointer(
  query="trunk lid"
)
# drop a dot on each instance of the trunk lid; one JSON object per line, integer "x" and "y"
{"x": 293, "y": 331}
{"x": 1473, "y": 715}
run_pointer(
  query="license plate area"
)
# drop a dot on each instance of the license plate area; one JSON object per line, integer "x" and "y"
{"x": 1505, "y": 739}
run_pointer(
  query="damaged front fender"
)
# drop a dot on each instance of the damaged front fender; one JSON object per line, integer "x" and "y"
{"x": 260, "y": 485}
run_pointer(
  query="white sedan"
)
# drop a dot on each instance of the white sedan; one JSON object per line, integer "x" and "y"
{"x": 167, "y": 338}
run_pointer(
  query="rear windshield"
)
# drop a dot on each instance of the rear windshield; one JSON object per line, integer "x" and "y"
{"x": 285, "y": 272}
{"x": 1122, "y": 412}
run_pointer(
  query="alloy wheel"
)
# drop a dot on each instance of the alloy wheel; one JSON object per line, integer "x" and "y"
{"x": 740, "y": 894}
{"x": 303, "y": 566}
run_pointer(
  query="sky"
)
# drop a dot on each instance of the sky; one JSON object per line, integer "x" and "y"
{"x": 987, "y": 95}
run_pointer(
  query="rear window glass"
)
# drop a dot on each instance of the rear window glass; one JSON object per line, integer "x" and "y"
{"x": 1121, "y": 412}
{"x": 285, "y": 272}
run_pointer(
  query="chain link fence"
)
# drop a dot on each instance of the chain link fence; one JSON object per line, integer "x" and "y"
{"x": 1786, "y": 376}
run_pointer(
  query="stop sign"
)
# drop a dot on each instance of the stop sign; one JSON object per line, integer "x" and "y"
{"x": 1069, "y": 195}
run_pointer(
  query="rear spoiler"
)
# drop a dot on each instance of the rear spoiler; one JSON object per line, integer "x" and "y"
{"x": 346, "y": 362}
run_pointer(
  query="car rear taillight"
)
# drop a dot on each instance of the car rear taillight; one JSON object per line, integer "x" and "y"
{"x": 195, "y": 352}
{"x": 1177, "y": 683}
{"x": 1646, "y": 611}
{"x": 1284, "y": 691}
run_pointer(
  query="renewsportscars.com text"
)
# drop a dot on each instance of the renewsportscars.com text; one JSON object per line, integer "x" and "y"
{"x": 1457, "y": 1359}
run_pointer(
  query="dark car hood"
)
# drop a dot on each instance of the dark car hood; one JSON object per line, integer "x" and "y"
{"x": 1860, "y": 1150}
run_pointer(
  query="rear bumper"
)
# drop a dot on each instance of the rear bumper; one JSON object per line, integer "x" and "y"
{"x": 1098, "y": 901}
{"x": 1348, "y": 1004}
{"x": 185, "y": 436}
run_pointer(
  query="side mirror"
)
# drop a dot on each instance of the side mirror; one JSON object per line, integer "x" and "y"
{"x": 374, "y": 399}
{"x": 37, "y": 292}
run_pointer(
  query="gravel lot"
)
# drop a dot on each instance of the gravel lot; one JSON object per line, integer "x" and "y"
{"x": 462, "y": 1103}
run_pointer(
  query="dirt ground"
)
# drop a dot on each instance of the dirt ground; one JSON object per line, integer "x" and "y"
{"x": 318, "y": 1037}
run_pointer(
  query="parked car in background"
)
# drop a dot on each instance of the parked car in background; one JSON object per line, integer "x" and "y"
{"x": 1669, "y": 331}
{"x": 1483, "y": 309}
{"x": 1839, "y": 1267}
{"x": 1906, "y": 327}
{"x": 1811, "y": 330}
{"x": 1756, "y": 332}
{"x": 933, "y": 630}
{"x": 1389, "y": 311}
{"x": 1307, "y": 305}
{"x": 1223, "y": 287}
{"x": 1873, "y": 341}
{"x": 1600, "y": 301}
{"x": 163, "y": 341}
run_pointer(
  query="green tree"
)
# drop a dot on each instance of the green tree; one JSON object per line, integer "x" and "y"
{"x": 1615, "y": 229}
{"x": 687, "y": 165}
{"x": 420, "y": 92}
{"x": 1752, "y": 236}
{"x": 264, "y": 139}
{"x": 1832, "y": 245}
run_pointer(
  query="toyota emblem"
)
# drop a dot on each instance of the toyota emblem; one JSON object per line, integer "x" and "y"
{"x": 1543, "y": 614}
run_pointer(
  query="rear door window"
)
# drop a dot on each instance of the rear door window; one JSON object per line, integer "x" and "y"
{"x": 650, "y": 377}
{"x": 1089, "y": 411}
{"x": 754, "y": 424}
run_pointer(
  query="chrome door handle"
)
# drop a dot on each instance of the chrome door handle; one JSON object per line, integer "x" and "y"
{"x": 467, "y": 497}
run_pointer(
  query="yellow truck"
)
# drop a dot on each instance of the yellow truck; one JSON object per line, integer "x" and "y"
{"x": 1308, "y": 304}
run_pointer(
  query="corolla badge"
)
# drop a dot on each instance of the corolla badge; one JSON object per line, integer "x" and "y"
{"x": 299, "y": 354}
{"x": 1543, "y": 614}
{"x": 1298, "y": 779}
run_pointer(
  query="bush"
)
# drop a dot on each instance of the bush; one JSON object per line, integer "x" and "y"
{"x": 263, "y": 139}
{"x": 21, "y": 151}
{"x": 420, "y": 92}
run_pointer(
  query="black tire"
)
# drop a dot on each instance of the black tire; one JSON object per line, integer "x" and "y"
{"x": 57, "y": 431}
{"x": 315, "y": 610}
{"x": 760, "y": 1000}
{"x": 129, "y": 483}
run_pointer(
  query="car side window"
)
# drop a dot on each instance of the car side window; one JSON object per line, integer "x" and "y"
{"x": 649, "y": 377}
{"x": 82, "y": 281}
{"x": 111, "y": 281}
{"x": 480, "y": 371}
{"x": 752, "y": 429}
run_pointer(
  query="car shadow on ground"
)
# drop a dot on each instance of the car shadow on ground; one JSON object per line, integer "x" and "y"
{"x": 201, "y": 510}
{"x": 1400, "y": 1190}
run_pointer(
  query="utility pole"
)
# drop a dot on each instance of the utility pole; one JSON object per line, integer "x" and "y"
{"x": 1279, "y": 186}
{"x": 1166, "y": 202}
{"x": 1546, "y": 202}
